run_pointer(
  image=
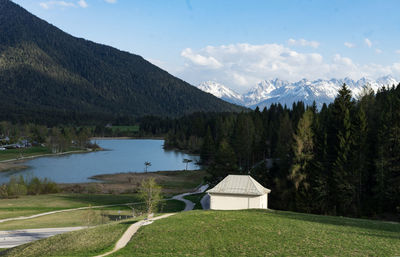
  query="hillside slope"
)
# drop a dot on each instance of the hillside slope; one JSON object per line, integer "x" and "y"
{"x": 263, "y": 233}
{"x": 235, "y": 233}
{"x": 45, "y": 72}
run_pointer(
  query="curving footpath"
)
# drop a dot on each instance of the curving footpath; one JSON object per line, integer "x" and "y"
{"x": 126, "y": 237}
{"x": 189, "y": 204}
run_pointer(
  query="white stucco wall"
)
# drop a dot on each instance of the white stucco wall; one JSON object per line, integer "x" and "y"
{"x": 237, "y": 202}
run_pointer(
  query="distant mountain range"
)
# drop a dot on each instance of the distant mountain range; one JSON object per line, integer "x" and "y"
{"x": 268, "y": 92}
{"x": 49, "y": 76}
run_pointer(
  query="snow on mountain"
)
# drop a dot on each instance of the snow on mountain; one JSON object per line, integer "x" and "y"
{"x": 222, "y": 92}
{"x": 262, "y": 91}
{"x": 321, "y": 91}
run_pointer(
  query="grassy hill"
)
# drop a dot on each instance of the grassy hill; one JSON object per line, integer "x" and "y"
{"x": 240, "y": 233}
{"x": 49, "y": 76}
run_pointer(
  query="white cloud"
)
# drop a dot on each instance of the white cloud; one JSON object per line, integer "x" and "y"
{"x": 368, "y": 42}
{"x": 241, "y": 66}
{"x": 82, "y": 3}
{"x": 50, "y": 4}
{"x": 378, "y": 51}
{"x": 397, "y": 51}
{"x": 303, "y": 42}
{"x": 349, "y": 45}
{"x": 198, "y": 59}
{"x": 111, "y": 1}
{"x": 63, "y": 4}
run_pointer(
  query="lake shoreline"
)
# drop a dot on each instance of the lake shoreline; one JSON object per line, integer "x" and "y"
{"x": 116, "y": 156}
{"x": 171, "y": 181}
{"x": 17, "y": 164}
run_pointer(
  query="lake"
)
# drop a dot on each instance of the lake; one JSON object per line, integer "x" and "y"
{"x": 120, "y": 155}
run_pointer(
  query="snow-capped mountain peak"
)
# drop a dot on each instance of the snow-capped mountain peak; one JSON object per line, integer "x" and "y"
{"x": 262, "y": 90}
{"x": 221, "y": 91}
{"x": 321, "y": 91}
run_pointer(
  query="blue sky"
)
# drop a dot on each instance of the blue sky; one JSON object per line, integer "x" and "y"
{"x": 239, "y": 43}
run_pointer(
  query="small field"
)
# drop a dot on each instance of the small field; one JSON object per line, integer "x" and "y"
{"x": 88, "y": 217}
{"x": 125, "y": 129}
{"x": 33, "y": 204}
{"x": 23, "y": 152}
{"x": 263, "y": 233}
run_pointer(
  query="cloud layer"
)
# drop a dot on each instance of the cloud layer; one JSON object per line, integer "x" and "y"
{"x": 66, "y": 4}
{"x": 243, "y": 65}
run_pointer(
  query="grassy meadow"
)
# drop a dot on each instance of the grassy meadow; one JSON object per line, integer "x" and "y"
{"x": 126, "y": 129}
{"x": 34, "y": 204}
{"x": 23, "y": 152}
{"x": 29, "y": 205}
{"x": 263, "y": 233}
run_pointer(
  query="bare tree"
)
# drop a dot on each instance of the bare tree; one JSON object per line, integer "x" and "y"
{"x": 150, "y": 192}
{"x": 146, "y": 164}
{"x": 187, "y": 161}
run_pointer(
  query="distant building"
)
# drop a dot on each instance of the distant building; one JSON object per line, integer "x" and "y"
{"x": 237, "y": 192}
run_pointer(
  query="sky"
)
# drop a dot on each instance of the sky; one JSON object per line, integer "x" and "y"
{"x": 240, "y": 42}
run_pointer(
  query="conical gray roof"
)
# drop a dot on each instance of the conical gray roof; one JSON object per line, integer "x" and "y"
{"x": 239, "y": 185}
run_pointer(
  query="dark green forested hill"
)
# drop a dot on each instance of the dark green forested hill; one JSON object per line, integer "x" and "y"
{"x": 48, "y": 75}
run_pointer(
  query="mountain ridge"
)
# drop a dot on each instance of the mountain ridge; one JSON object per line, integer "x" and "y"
{"x": 321, "y": 91}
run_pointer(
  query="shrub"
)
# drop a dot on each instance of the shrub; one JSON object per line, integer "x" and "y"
{"x": 3, "y": 191}
{"x": 35, "y": 186}
{"x": 18, "y": 186}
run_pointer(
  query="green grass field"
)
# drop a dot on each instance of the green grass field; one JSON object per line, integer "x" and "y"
{"x": 263, "y": 233}
{"x": 133, "y": 129}
{"x": 17, "y": 153}
{"x": 29, "y": 205}
{"x": 196, "y": 198}
{"x": 33, "y": 204}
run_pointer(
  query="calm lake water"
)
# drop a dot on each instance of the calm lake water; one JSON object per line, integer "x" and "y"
{"x": 126, "y": 155}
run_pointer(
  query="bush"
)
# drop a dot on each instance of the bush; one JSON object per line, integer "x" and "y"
{"x": 3, "y": 191}
{"x": 35, "y": 186}
{"x": 18, "y": 186}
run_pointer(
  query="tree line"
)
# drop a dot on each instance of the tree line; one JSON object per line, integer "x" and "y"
{"x": 57, "y": 139}
{"x": 343, "y": 159}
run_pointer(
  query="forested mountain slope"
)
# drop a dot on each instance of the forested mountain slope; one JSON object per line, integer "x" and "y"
{"x": 46, "y": 74}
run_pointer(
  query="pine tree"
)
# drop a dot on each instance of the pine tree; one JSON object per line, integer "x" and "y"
{"x": 208, "y": 148}
{"x": 224, "y": 163}
{"x": 303, "y": 153}
{"x": 359, "y": 155}
{"x": 343, "y": 190}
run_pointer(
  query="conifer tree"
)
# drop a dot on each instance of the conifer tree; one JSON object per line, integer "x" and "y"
{"x": 303, "y": 153}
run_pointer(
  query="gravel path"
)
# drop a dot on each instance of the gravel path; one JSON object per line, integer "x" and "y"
{"x": 189, "y": 204}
